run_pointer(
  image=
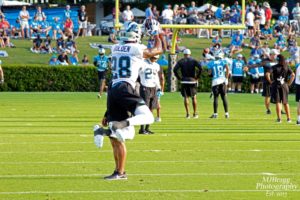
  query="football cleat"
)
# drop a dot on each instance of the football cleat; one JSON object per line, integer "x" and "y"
{"x": 226, "y": 115}
{"x": 289, "y": 120}
{"x": 268, "y": 112}
{"x": 149, "y": 132}
{"x": 278, "y": 121}
{"x": 195, "y": 116}
{"x": 298, "y": 123}
{"x": 116, "y": 176}
{"x": 118, "y": 125}
{"x": 157, "y": 119}
{"x": 214, "y": 116}
{"x": 187, "y": 116}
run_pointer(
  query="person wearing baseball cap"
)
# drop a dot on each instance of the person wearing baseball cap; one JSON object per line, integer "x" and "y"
{"x": 267, "y": 64}
{"x": 190, "y": 72}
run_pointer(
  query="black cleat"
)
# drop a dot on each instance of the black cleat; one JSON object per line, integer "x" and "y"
{"x": 298, "y": 123}
{"x": 101, "y": 131}
{"x": 268, "y": 112}
{"x": 143, "y": 132}
{"x": 214, "y": 116}
{"x": 278, "y": 121}
{"x": 149, "y": 132}
{"x": 116, "y": 176}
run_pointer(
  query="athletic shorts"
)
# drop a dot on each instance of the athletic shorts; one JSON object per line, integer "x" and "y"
{"x": 254, "y": 80}
{"x": 237, "y": 79}
{"x": 122, "y": 100}
{"x": 279, "y": 93}
{"x": 24, "y": 24}
{"x": 297, "y": 93}
{"x": 266, "y": 90}
{"x": 250, "y": 27}
{"x": 188, "y": 90}
{"x": 149, "y": 96}
{"x": 83, "y": 24}
{"x": 101, "y": 75}
{"x": 219, "y": 90}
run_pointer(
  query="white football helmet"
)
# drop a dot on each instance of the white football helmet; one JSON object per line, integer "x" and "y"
{"x": 101, "y": 51}
{"x": 132, "y": 33}
{"x": 151, "y": 27}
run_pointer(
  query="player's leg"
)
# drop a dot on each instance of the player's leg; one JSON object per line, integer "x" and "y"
{"x": 102, "y": 85}
{"x": 267, "y": 104}
{"x": 278, "y": 111}
{"x": 239, "y": 87}
{"x": 158, "y": 109}
{"x": 252, "y": 88}
{"x": 194, "y": 101}
{"x": 224, "y": 100}
{"x": 122, "y": 153}
{"x": 215, "y": 90}
{"x": 298, "y": 113}
{"x": 186, "y": 106}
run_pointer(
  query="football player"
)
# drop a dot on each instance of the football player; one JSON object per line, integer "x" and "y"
{"x": 127, "y": 59}
{"x": 102, "y": 62}
{"x": 219, "y": 71}
{"x": 238, "y": 66}
{"x": 150, "y": 87}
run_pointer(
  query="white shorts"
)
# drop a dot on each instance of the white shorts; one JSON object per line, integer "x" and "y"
{"x": 24, "y": 24}
{"x": 127, "y": 133}
{"x": 83, "y": 24}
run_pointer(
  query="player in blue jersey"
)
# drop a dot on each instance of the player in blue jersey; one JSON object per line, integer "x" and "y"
{"x": 254, "y": 73}
{"x": 219, "y": 71}
{"x": 102, "y": 62}
{"x": 238, "y": 66}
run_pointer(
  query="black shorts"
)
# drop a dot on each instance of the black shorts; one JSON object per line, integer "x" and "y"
{"x": 219, "y": 90}
{"x": 266, "y": 89}
{"x": 279, "y": 93}
{"x": 254, "y": 80}
{"x": 101, "y": 75}
{"x": 237, "y": 79}
{"x": 297, "y": 93}
{"x": 188, "y": 90}
{"x": 122, "y": 101}
{"x": 149, "y": 96}
{"x": 250, "y": 27}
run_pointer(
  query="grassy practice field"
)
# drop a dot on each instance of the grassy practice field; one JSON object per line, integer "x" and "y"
{"x": 47, "y": 151}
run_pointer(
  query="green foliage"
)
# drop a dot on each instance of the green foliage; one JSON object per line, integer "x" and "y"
{"x": 48, "y": 78}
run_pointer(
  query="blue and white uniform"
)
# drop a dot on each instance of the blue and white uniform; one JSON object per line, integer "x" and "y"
{"x": 238, "y": 68}
{"x": 218, "y": 68}
{"x": 101, "y": 62}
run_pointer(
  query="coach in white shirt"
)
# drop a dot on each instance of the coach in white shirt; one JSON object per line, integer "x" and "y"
{"x": 250, "y": 23}
{"x": 127, "y": 14}
{"x": 24, "y": 17}
{"x": 167, "y": 15}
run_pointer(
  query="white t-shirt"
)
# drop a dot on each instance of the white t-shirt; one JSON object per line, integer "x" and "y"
{"x": 263, "y": 16}
{"x": 149, "y": 74}
{"x": 296, "y": 12}
{"x": 167, "y": 14}
{"x": 24, "y": 14}
{"x": 127, "y": 15}
{"x": 127, "y": 61}
{"x": 297, "y": 81}
{"x": 284, "y": 11}
{"x": 250, "y": 19}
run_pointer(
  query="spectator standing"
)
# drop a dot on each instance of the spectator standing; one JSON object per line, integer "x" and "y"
{"x": 296, "y": 14}
{"x": 67, "y": 13}
{"x": 24, "y": 17}
{"x": 155, "y": 13}
{"x": 148, "y": 12}
{"x": 250, "y": 23}
{"x": 192, "y": 14}
{"x": 236, "y": 6}
{"x": 127, "y": 14}
{"x": 39, "y": 14}
{"x": 268, "y": 13}
{"x": 257, "y": 18}
{"x": 219, "y": 13}
{"x": 284, "y": 12}
{"x": 262, "y": 17}
{"x": 167, "y": 15}
{"x": 82, "y": 20}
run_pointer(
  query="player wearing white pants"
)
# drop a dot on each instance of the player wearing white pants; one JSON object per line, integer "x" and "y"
{"x": 125, "y": 107}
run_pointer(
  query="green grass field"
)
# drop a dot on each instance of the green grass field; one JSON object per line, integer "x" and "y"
{"x": 47, "y": 151}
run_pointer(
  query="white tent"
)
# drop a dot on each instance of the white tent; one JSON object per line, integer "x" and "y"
{"x": 138, "y": 13}
{"x": 205, "y": 7}
{"x": 13, "y": 3}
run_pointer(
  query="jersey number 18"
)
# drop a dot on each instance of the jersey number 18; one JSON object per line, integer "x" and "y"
{"x": 121, "y": 67}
